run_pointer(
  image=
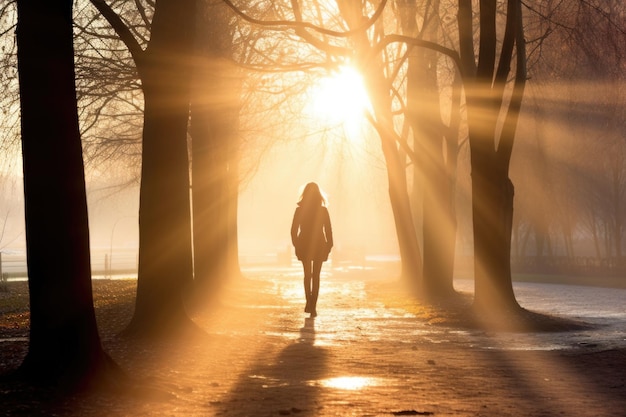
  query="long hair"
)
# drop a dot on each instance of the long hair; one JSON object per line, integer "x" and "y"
{"x": 312, "y": 196}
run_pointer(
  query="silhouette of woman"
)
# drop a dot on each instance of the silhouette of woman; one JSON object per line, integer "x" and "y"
{"x": 312, "y": 236}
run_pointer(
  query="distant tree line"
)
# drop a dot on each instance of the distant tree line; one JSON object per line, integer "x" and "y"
{"x": 571, "y": 169}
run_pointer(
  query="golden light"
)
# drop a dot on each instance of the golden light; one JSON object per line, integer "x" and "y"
{"x": 341, "y": 99}
{"x": 350, "y": 383}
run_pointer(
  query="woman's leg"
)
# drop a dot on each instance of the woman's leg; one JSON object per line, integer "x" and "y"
{"x": 315, "y": 287}
{"x": 306, "y": 265}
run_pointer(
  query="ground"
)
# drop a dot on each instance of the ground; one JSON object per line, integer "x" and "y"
{"x": 372, "y": 351}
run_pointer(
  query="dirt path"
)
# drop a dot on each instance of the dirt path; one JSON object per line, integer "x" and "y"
{"x": 364, "y": 355}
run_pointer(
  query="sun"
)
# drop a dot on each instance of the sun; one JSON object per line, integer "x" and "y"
{"x": 341, "y": 99}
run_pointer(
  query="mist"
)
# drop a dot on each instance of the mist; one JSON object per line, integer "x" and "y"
{"x": 561, "y": 168}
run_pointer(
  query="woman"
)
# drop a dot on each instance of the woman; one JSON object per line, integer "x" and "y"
{"x": 312, "y": 236}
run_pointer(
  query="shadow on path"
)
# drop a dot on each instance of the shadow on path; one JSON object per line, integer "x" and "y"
{"x": 281, "y": 385}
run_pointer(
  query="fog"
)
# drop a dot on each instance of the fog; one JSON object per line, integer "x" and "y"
{"x": 351, "y": 172}
{"x": 353, "y": 179}
{"x": 567, "y": 167}
{"x": 568, "y": 157}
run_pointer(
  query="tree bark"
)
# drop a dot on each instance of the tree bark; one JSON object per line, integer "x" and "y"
{"x": 64, "y": 342}
{"x": 165, "y": 252}
{"x": 492, "y": 207}
{"x": 165, "y": 269}
{"x": 492, "y": 190}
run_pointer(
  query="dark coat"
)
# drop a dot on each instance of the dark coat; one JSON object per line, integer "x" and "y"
{"x": 311, "y": 233}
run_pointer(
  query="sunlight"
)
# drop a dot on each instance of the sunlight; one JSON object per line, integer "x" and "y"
{"x": 341, "y": 99}
{"x": 350, "y": 383}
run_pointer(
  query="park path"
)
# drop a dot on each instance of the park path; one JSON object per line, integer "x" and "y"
{"x": 368, "y": 353}
{"x": 364, "y": 355}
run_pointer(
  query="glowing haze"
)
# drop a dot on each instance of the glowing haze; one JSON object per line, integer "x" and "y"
{"x": 332, "y": 144}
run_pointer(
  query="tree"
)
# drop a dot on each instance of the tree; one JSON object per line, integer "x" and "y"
{"x": 165, "y": 251}
{"x": 491, "y": 138}
{"x": 435, "y": 146}
{"x": 369, "y": 59}
{"x": 64, "y": 342}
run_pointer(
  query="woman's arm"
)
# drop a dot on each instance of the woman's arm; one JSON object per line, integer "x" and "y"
{"x": 328, "y": 229}
{"x": 295, "y": 224}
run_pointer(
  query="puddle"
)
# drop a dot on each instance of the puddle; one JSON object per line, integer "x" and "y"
{"x": 267, "y": 382}
{"x": 348, "y": 383}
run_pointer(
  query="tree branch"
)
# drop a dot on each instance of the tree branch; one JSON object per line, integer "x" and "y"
{"x": 306, "y": 25}
{"x": 389, "y": 39}
{"x": 121, "y": 29}
{"x": 487, "y": 41}
{"x": 466, "y": 39}
{"x": 507, "y": 136}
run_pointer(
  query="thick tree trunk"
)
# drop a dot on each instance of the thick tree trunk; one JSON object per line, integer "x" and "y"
{"x": 492, "y": 206}
{"x": 208, "y": 168}
{"x": 64, "y": 341}
{"x": 491, "y": 141}
{"x": 165, "y": 253}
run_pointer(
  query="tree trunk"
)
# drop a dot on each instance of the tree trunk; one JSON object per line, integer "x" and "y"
{"x": 492, "y": 207}
{"x": 432, "y": 196}
{"x": 378, "y": 90}
{"x": 492, "y": 190}
{"x": 424, "y": 112}
{"x": 64, "y": 342}
{"x": 410, "y": 257}
{"x": 165, "y": 253}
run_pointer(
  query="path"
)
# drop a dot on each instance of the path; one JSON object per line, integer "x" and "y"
{"x": 359, "y": 357}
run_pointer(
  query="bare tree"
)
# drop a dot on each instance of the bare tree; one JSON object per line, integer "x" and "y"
{"x": 435, "y": 144}
{"x": 64, "y": 342}
{"x": 165, "y": 252}
{"x": 491, "y": 137}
